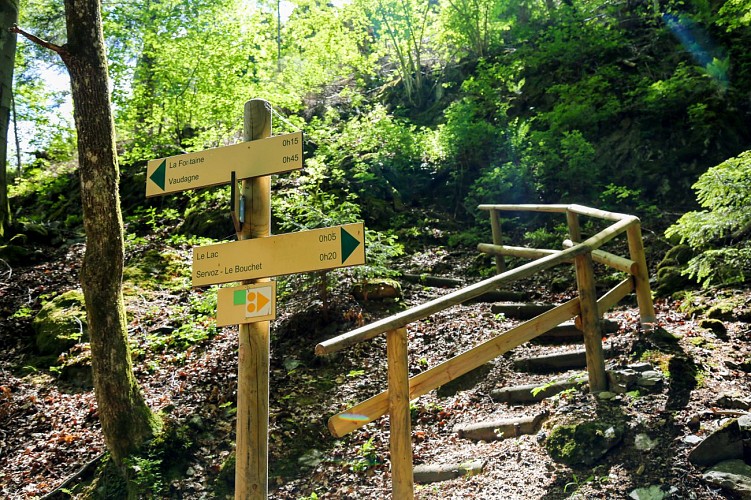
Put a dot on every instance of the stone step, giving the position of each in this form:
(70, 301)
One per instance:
(568, 332)
(520, 310)
(501, 429)
(432, 473)
(528, 393)
(561, 361)
(498, 296)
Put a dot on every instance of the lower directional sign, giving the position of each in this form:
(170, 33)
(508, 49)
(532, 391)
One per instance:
(301, 252)
(246, 304)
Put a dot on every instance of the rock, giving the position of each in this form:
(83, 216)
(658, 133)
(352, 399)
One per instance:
(622, 381)
(744, 423)
(520, 310)
(606, 395)
(640, 367)
(465, 382)
(557, 361)
(15, 254)
(500, 429)
(654, 492)
(734, 476)
(716, 326)
(377, 289)
(649, 378)
(643, 442)
(670, 280)
(726, 443)
(61, 323)
(732, 402)
(692, 439)
(584, 443)
(443, 472)
(310, 458)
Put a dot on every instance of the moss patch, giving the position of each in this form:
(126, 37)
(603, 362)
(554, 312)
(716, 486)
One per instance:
(61, 323)
(583, 443)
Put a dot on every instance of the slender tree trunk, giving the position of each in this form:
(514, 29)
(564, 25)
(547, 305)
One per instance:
(8, 18)
(126, 419)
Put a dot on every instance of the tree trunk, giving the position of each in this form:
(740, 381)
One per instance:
(8, 18)
(126, 419)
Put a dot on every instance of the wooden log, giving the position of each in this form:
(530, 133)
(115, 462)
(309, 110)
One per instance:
(641, 278)
(400, 438)
(424, 310)
(361, 414)
(523, 252)
(495, 226)
(495, 430)
(611, 260)
(590, 319)
(525, 208)
(435, 281)
(520, 311)
(597, 213)
(251, 465)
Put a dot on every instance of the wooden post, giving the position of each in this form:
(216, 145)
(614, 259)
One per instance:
(641, 278)
(590, 320)
(495, 225)
(574, 230)
(251, 469)
(400, 441)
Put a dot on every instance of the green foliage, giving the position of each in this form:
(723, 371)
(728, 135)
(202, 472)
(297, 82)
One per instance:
(720, 232)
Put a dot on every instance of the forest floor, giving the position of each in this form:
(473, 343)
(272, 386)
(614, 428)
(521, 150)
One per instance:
(49, 428)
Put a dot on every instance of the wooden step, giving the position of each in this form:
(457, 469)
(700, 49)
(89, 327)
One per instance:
(501, 429)
(498, 296)
(434, 281)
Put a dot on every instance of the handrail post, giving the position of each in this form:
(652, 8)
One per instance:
(495, 225)
(641, 278)
(589, 315)
(400, 440)
(574, 230)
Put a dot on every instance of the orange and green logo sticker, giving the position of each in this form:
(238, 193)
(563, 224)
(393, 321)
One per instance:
(246, 304)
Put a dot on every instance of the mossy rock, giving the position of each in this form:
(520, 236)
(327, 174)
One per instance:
(224, 485)
(15, 254)
(61, 323)
(377, 289)
(728, 309)
(209, 223)
(714, 325)
(680, 254)
(671, 280)
(156, 268)
(583, 443)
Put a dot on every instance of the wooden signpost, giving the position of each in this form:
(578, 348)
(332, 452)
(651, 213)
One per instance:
(252, 259)
(302, 252)
(214, 167)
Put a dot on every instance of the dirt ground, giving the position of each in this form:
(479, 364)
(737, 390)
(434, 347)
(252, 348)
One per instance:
(49, 429)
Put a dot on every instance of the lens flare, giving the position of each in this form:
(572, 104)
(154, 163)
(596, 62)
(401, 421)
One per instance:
(698, 43)
(353, 417)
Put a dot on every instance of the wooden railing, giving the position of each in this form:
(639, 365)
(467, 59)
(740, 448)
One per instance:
(587, 308)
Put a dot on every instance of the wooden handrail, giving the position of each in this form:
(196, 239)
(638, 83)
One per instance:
(419, 312)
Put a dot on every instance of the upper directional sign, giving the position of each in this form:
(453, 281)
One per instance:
(301, 252)
(212, 167)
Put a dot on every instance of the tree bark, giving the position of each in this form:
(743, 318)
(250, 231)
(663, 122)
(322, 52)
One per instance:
(126, 419)
(8, 18)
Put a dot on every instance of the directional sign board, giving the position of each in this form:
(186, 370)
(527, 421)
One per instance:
(246, 304)
(213, 167)
(300, 252)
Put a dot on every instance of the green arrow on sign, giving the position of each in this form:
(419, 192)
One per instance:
(159, 175)
(349, 244)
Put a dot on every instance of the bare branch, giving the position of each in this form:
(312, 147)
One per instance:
(42, 43)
